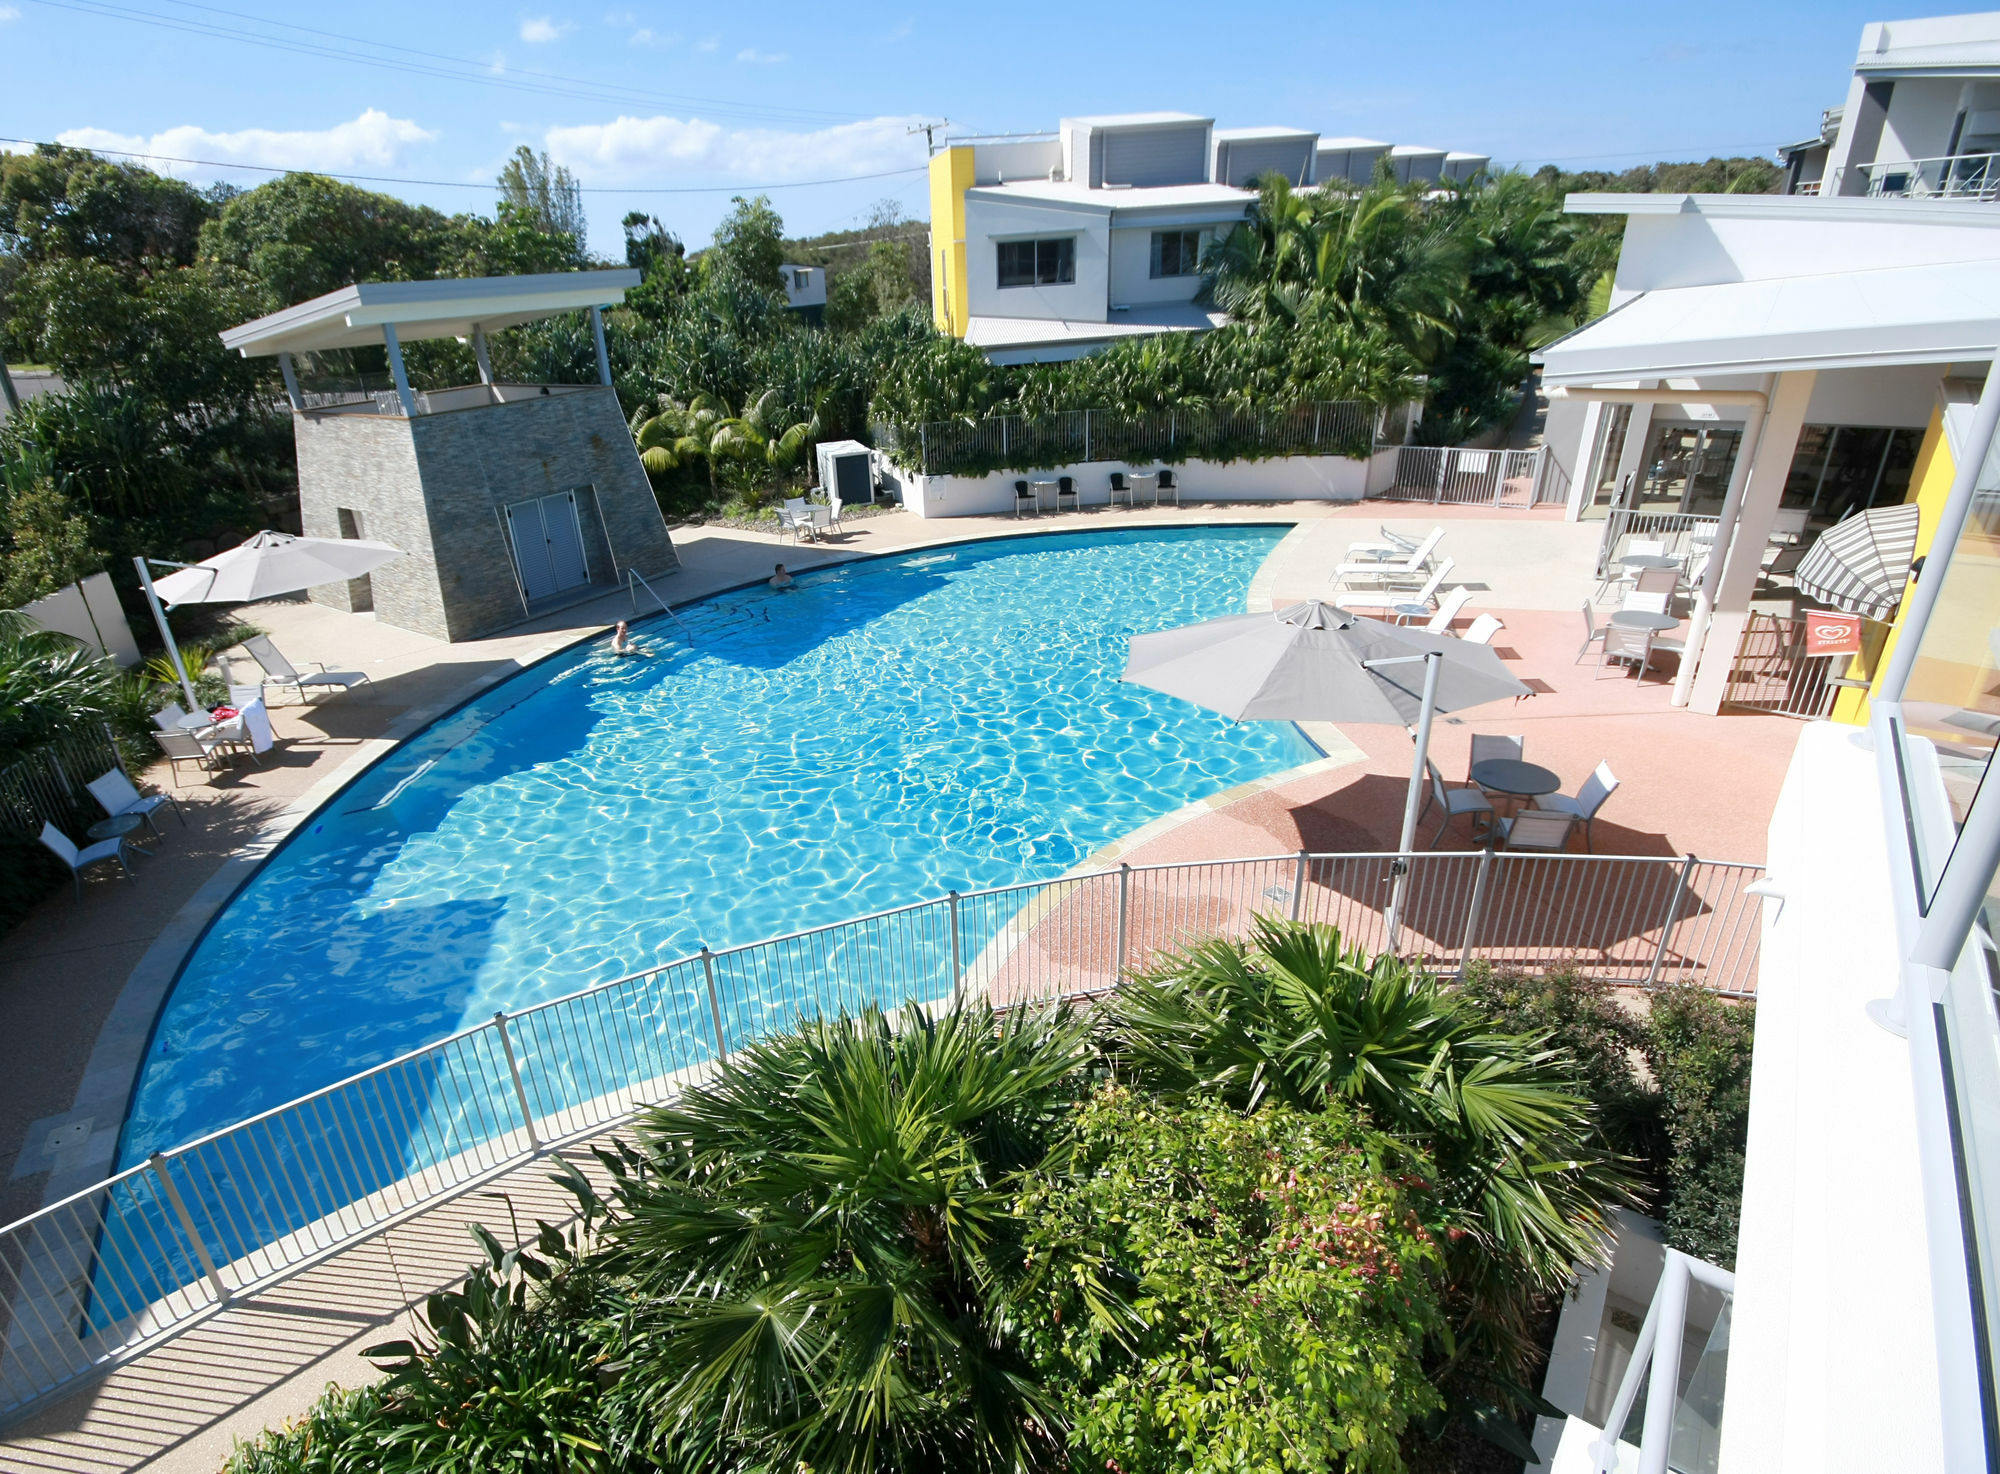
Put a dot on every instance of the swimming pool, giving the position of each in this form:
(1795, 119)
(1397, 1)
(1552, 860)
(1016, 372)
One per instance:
(880, 733)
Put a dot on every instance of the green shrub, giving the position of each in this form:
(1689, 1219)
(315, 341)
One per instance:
(1282, 1288)
(1698, 1047)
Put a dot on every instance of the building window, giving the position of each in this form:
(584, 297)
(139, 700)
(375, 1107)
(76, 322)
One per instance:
(1176, 252)
(1038, 263)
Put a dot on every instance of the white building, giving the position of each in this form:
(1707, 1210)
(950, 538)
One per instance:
(805, 290)
(1051, 246)
(1749, 337)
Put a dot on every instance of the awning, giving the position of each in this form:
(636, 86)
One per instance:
(1862, 563)
(445, 308)
(1942, 313)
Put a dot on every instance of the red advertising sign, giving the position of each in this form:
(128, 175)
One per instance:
(1829, 633)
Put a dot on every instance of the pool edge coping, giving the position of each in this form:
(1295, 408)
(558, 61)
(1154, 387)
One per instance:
(111, 1073)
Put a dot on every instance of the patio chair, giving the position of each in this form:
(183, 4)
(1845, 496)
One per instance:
(1164, 484)
(1024, 496)
(1599, 786)
(1788, 524)
(1648, 602)
(1393, 547)
(115, 793)
(186, 747)
(173, 717)
(795, 519)
(58, 844)
(1617, 576)
(1537, 829)
(1447, 610)
(1489, 745)
(1358, 602)
(280, 672)
(1409, 569)
(1656, 581)
(1454, 801)
(1623, 644)
(1119, 487)
(1483, 630)
(1066, 489)
(1592, 633)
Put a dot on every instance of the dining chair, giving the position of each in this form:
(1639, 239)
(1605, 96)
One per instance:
(1646, 603)
(1164, 483)
(1024, 496)
(1537, 829)
(1487, 745)
(1626, 644)
(1599, 786)
(1066, 489)
(1119, 487)
(1656, 581)
(185, 747)
(1454, 802)
(1592, 633)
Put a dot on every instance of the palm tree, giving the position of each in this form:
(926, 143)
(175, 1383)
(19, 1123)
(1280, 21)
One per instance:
(1296, 1016)
(823, 1252)
(703, 429)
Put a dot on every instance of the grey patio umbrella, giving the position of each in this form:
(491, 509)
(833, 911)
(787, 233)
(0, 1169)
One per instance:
(1862, 563)
(1315, 663)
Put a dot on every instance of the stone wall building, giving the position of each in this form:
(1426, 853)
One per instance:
(506, 500)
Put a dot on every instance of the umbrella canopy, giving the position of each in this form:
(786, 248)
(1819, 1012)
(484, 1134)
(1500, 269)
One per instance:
(1305, 664)
(273, 563)
(1862, 563)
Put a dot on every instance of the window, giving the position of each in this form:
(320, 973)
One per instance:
(1038, 263)
(1176, 252)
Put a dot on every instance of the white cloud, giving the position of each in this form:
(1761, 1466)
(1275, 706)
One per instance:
(647, 36)
(760, 58)
(374, 138)
(634, 150)
(539, 30)
(8, 12)
(709, 45)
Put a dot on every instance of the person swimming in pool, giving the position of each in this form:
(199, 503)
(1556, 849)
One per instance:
(782, 579)
(622, 642)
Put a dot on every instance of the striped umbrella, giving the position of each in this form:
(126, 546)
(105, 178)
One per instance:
(1862, 563)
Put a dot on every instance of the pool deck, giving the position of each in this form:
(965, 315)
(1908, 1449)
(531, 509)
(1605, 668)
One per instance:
(81, 983)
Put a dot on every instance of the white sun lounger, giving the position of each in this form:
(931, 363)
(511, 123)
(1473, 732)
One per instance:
(280, 672)
(1407, 570)
(1391, 599)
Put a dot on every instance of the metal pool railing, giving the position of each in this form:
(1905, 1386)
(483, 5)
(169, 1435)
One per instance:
(98, 1278)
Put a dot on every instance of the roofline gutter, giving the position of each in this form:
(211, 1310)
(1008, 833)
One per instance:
(1750, 398)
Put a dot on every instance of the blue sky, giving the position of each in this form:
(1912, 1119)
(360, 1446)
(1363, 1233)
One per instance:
(638, 98)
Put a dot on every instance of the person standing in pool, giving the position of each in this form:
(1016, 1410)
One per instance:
(622, 642)
(781, 579)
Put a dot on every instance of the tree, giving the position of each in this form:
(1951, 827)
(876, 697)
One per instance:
(880, 285)
(704, 430)
(304, 235)
(60, 202)
(749, 245)
(546, 194)
(45, 535)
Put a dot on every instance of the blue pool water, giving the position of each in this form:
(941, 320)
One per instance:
(877, 735)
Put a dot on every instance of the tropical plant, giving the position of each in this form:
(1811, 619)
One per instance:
(1282, 1287)
(1294, 1015)
(1698, 1047)
(823, 1257)
(704, 430)
(51, 686)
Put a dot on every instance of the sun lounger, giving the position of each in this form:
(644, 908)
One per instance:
(280, 672)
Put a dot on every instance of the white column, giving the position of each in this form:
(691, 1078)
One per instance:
(395, 347)
(597, 336)
(1589, 452)
(291, 383)
(1632, 458)
(479, 352)
(1741, 547)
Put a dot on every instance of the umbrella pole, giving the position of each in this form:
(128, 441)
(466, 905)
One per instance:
(1413, 800)
(173, 650)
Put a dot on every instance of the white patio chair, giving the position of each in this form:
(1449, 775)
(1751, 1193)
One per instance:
(280, 672)
(1487, 745)
(1618, 576)
(1599, 786)
(1358, 602)
(795, 520)
(59, 845)
(115, 793)
(1454, 801)
(174, 718)
(1483, 630)
(1447, 610)
(1537, 829)
(1647, 602)
(1393, 547)
(1389, 572)
(1592, 633)
(186, 747)
(1623, 644)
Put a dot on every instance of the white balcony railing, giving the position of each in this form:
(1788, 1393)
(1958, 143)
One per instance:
(1965, 177)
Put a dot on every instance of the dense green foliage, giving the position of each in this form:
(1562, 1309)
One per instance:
(1735, 175)
(1282, 1287)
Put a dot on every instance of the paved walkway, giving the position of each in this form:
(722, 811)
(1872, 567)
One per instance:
(79, 985)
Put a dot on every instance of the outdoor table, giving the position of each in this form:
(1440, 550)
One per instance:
(1643, 619)
(1038, 487)
(1517, 779)
(1150, 480)
(1640, 562)
(196, 721)
(1407, 612)
(117, 827)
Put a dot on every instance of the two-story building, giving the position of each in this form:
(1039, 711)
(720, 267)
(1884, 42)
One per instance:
(1051, 246)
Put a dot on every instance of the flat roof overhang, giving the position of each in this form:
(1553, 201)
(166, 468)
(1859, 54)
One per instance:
(1944, 313)
(353, 317)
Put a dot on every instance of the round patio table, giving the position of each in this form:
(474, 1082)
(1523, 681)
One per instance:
(1511, 776)
(1645, 561)
(1643, 619)
(117, 827)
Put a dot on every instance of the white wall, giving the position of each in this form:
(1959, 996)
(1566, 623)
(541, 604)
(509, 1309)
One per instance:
(1285, 479)
(1876, 396)
(1132, 280)
(85, 613)
(1699, 249)
(989, 221)
(1921, 112)
(1028, 158)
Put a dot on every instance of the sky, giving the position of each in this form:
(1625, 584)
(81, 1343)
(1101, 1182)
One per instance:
(671, 109)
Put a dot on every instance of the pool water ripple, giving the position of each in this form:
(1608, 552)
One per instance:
(880, 733)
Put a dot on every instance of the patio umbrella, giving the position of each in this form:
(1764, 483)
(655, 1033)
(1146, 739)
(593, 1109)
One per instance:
(1862, 563)
(1315, 663)
(269, 563)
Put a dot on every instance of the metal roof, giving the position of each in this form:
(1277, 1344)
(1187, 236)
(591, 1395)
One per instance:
(446, 308)
(1947, 312)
